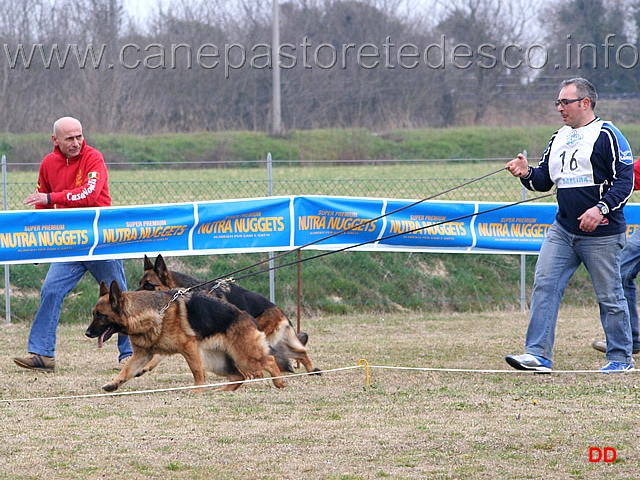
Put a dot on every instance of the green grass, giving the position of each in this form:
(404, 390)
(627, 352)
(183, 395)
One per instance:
(344, 283)
(244, 148)
(283, 172)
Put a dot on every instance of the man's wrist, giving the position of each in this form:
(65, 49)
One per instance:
(603, 208)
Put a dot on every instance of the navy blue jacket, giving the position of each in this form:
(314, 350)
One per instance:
(588, 165)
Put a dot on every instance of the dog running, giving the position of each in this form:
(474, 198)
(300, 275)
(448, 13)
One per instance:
(271, 319)
(210, 334)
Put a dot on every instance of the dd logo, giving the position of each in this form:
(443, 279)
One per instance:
(606, 454)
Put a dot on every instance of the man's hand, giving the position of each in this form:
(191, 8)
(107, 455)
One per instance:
(37, 198)
(590, 219)
(518, 167)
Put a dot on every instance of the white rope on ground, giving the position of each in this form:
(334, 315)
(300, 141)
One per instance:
(468, 370)
(174, 389)
(361, 364)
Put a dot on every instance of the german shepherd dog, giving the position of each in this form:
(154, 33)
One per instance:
(210, 334)
(271, 319)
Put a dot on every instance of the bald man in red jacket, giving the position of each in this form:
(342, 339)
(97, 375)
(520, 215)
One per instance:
(74, 175)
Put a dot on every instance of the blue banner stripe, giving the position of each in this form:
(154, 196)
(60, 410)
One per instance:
(277, 224)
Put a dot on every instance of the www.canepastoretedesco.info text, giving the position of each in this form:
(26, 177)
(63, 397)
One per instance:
(308, 55)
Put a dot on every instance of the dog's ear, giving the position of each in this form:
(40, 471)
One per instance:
(103, 288)
(115, 294)
(160, 268)
(147, 264)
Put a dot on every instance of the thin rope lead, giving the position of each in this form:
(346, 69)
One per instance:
(360, 225)
(462, 217)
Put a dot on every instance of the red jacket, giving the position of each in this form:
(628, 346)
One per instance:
(76, 182)
(636, 174)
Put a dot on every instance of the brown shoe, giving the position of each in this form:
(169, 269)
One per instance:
(121, 363)
(36, 362)
(601, 346)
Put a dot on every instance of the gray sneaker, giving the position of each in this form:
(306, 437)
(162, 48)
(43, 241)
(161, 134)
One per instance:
(529, 362)
(36, 362)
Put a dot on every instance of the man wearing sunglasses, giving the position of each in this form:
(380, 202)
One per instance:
(590, 163)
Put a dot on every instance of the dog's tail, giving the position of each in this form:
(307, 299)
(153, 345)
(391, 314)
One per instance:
(294, 346)
(303, 337)
(281, 359)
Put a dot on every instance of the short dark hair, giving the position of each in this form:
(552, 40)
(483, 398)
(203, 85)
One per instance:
(584, 89)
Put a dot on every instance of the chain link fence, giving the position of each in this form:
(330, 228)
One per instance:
(141, 193)
(341, 283)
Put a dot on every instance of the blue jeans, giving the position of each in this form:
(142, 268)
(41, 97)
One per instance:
(629, 269)
(560, 256)
(60, 280)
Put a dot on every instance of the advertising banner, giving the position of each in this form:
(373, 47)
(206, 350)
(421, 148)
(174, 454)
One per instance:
(40, 235)
(130, 230)
(334, 222)
(444, 225)
(256, 225)
(277, 224)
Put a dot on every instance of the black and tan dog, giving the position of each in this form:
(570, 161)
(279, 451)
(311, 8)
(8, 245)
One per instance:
(272, 320)
(209, 333)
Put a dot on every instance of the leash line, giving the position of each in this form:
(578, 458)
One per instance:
(462, 217)
(297, 249)
(219, 280)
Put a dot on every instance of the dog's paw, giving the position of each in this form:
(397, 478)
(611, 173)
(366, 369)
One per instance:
(110, 387)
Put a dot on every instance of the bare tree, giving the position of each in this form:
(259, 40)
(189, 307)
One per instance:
(582, 30)
(198, 65)
(476, 34)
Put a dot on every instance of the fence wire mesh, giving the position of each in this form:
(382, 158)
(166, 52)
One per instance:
(167, 191)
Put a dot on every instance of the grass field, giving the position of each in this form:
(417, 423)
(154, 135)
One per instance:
(417, 419)
(245, 147)
(312, 171)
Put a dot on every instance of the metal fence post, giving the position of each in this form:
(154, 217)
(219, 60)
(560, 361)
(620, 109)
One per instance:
(7, 279)
(272, 283)
(523, 264)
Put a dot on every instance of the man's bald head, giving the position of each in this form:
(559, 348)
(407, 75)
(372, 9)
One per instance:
(65, 123)
(67, 136)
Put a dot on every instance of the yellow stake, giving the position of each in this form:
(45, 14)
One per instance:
(363, 363)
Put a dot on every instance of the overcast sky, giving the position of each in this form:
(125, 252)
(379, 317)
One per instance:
(139, 8)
